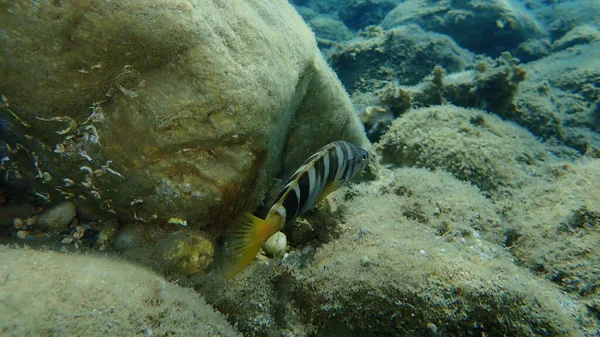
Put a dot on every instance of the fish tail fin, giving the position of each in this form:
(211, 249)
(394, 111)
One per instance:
(243, 242)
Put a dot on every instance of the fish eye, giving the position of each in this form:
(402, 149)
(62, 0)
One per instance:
(364, 157)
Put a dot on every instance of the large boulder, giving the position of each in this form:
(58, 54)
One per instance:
(181, 108)
(563, 16)
(50, 294)
(403, 54)
(416, 257)
(492, 86)
(361, 13)
(482, 26)
(474, 146)
(329, 29)
(554, 228)
(562, 88)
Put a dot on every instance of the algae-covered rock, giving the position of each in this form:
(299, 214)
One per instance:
(562, 16)
(404, 54)
(533, 49)
(559, 98)
(45, 293)
(459, 211)
(482, 26)
(553, 97)
(177, 108)
(361, 13)
(492, 86)
(471, 144)
(329, 29)
(555, 227)
(58, 217)
(185, 252)
(578, 35)
(393, 273)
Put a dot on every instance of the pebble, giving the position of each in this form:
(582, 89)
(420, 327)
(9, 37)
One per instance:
(18, 223)
(22, 234)
(275, 245)
(186, 252)
(432, 327)
(57, 217)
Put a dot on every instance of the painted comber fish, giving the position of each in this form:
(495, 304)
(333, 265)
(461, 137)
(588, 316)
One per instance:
(324, 172)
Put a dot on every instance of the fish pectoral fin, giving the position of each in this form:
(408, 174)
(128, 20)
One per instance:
(244, 241)
(332, 186)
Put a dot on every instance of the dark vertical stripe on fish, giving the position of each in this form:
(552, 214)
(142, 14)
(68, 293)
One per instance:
(333, 164)
(347, 166)
(291, 204)
(320, 173)
(304, 190)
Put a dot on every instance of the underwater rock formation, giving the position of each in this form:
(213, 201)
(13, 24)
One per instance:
(553, 97)
(329, 29)
(491, 86)
(533, 49)
(404, 54)
(58, 217)
(46, 293)
(185, 252)
(417, 262)
(481, 26)
(177, 109)
(554, 229)
(560, 97)
(576, 36)
(472, 145)
(563, 16)
(358, 14)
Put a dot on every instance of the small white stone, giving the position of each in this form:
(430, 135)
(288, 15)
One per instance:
(432, 327)
(275, 245)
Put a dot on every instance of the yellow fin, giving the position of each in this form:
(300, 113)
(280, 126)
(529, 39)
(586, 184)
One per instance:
(244, 241)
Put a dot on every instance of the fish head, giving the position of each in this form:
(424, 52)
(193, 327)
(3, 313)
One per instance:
(360, 159)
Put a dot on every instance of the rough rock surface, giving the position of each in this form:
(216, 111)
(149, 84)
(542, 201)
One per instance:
(181, 108)
(329, 29)
(50, 294)
(419, 261)
(564, 15)
(472, 145)
(555, 228)
(491, 86)
(472, 24)
(404, 54)
(555, 97)
(533, 49)
(58, 217)
(576, 36)
(560, 97)
(358, 14)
